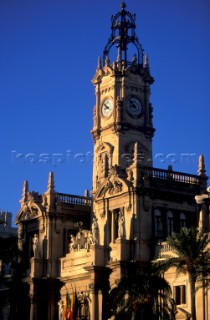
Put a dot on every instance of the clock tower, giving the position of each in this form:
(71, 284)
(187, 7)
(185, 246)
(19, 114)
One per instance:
(83, 246)
(122, 133)
(123, 112)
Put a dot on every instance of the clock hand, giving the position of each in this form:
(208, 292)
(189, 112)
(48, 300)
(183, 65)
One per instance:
(133, 106)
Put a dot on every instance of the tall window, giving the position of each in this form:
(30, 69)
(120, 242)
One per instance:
(179, 293)
(182, 220)
(114, 224)
(170, 223)
(158, 223)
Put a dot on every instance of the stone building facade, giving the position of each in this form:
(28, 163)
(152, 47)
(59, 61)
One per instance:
(73, 249)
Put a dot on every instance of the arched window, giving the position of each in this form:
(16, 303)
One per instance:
(170, 223)
(158, 223)
(182, 220)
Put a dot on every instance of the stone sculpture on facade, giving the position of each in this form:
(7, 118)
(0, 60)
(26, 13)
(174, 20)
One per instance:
(121, 228)
(95, 231)
(72, 244)
(84, 239)
(35, 246)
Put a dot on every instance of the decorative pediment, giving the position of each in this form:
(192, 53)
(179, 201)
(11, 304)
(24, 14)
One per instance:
(113, 185)
(105, 146)
(28, 211)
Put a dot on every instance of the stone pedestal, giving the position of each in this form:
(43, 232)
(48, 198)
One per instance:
(36, 268)
(120, 250)
(97, 255)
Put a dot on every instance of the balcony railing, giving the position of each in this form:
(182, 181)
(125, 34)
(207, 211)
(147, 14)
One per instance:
(165, 247)
(75, 200)
(173, 176)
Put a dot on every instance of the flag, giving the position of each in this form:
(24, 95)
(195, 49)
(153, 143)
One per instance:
(74, 304)
(68, 314)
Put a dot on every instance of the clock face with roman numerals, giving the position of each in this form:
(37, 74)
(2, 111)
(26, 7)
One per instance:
(134, 107)
(107, 107)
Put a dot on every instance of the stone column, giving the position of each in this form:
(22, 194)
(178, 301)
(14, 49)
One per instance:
(33, 300)
(113, 228)
(203, 202)
(94, 307)
(33, 308)
(53, 300)
(100, 300)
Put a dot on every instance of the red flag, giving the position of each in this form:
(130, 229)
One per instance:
(68, 315)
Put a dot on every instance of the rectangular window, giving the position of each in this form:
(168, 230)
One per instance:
(158, 226)
(170, 226)
(182, 220)
(180, 294)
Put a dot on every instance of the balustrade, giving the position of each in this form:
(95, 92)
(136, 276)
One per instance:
(73, 199)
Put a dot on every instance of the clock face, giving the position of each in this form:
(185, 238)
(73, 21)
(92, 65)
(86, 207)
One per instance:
(134, 107)
(107, 107)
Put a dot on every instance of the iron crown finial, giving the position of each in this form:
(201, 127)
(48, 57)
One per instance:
(123, 34)
(123, 5)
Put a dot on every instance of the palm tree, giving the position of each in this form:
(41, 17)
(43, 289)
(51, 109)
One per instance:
(192, 257)
(143, 296)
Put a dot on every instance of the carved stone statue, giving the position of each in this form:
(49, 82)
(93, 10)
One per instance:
(121, 222)
(89, 239)
(72, 244)
(95, 231)
(36, 246)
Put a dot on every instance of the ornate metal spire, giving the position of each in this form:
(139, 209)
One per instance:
(123, 33)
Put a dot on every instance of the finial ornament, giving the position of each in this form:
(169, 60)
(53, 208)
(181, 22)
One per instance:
(123, 5)
(107, 61)
(51, 186)
(25, 191)
(201, 166)
(146, 60)
(86, 194)
(25, 188)
(99, 63)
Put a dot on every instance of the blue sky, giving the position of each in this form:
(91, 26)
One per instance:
(48, 56)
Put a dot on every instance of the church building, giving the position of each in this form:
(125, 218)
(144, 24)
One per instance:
(73, 250)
